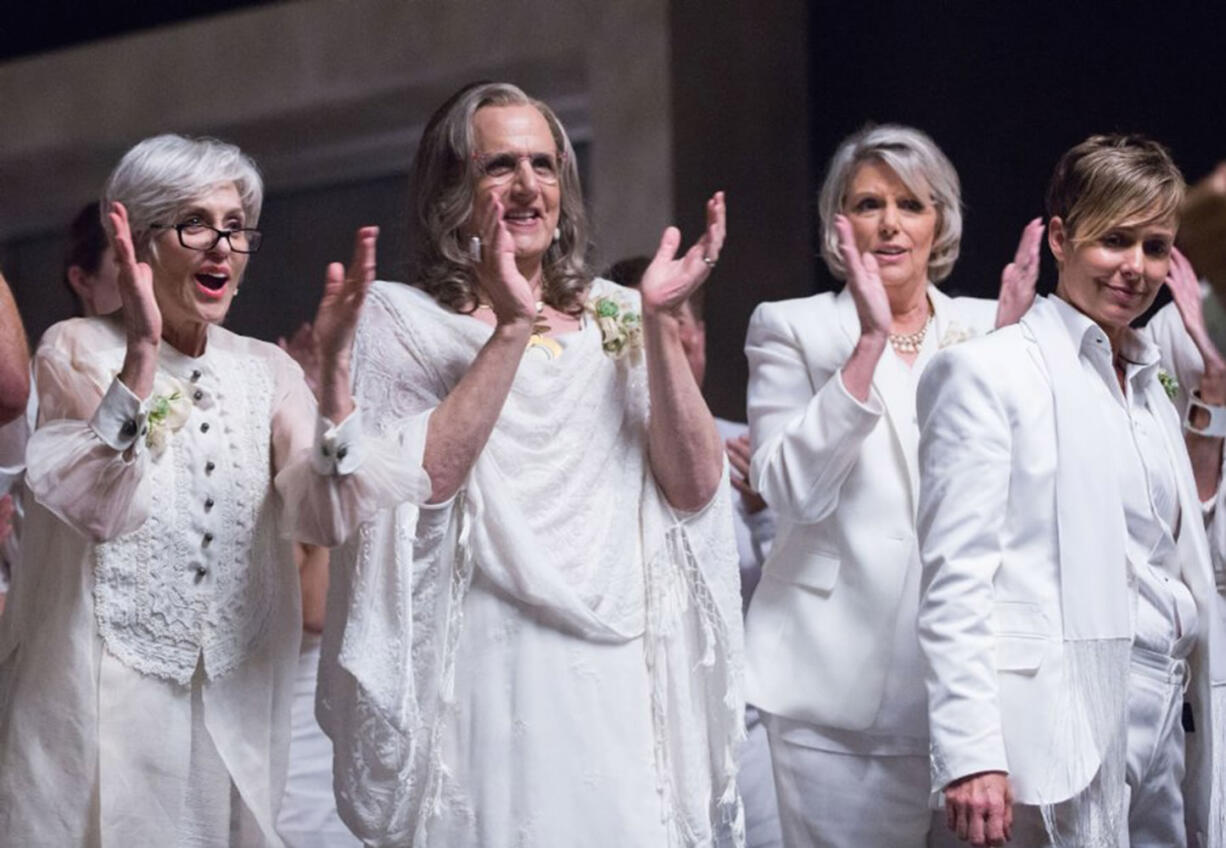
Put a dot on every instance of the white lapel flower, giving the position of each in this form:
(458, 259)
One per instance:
(956, 333)
(169, 410)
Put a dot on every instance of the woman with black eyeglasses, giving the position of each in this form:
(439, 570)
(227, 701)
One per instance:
(148, 654)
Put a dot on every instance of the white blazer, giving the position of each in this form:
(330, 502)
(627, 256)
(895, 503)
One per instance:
(842, 478)
(990, 618)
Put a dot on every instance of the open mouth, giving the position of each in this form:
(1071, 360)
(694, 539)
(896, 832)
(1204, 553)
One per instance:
(521, 217)
(212, 285)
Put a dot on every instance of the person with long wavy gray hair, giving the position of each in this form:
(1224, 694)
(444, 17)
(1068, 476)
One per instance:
(147, 654)
(548, 651)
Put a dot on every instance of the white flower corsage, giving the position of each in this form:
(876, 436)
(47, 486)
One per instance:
(169, 410)
(1169, 384)
(621, 328)
(956, 333)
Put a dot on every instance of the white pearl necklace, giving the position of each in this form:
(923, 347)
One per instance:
(911, 342)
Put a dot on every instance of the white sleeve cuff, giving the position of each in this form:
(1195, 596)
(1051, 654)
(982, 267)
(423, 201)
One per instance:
(338, 447)
(119, 420)
(872, 406)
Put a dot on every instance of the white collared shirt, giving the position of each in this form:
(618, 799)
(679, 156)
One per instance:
(1166, 618)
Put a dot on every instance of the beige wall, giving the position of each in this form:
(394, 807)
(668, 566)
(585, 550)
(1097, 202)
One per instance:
(326, 93)
(672, 99)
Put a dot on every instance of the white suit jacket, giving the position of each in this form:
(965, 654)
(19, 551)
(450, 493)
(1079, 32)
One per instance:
(990, 620)
(842, 478)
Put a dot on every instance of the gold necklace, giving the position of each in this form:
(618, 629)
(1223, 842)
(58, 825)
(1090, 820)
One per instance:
(539, 339)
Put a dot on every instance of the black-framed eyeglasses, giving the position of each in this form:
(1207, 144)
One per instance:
(195, 235)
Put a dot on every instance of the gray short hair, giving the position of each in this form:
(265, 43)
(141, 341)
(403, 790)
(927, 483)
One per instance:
(921, 166)
(442, 196)
(163, 174)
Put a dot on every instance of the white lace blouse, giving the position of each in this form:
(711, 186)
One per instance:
(157, 554)
(554, 656)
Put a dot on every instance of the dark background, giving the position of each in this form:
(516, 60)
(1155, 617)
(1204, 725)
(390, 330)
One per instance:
(1004, 88)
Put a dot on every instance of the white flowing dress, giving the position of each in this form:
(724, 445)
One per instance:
(552, 658)
(147, 655)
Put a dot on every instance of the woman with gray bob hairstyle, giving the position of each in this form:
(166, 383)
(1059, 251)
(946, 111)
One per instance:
(920, 165)
(147, 662)
(566, 670)
(832, 657)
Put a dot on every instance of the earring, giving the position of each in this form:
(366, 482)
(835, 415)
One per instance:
(557, 233)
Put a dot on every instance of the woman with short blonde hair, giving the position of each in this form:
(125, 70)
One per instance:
(1069, 603)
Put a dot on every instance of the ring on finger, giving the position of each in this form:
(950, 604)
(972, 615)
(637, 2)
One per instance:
(710, 262)
(474, 248)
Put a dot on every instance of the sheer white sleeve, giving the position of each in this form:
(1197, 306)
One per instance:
(86, 461)
(332, 480)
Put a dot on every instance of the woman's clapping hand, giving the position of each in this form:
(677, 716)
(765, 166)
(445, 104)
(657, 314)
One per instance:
(864, 282)
(509, 293)
(1185, 290)
(1019, 278)
(141, 315)
(669, 281)
(344, 293)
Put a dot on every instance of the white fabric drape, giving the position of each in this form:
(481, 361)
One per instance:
(552, 658)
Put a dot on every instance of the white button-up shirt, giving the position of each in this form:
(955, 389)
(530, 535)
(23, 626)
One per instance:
(1165, 618)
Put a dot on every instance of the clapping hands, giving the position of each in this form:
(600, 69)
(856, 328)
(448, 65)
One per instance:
(1020, 277)
(668, 281)
(142, 317)
(864, 282)
(344, 293)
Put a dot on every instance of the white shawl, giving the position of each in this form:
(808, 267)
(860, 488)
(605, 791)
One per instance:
(562, 516)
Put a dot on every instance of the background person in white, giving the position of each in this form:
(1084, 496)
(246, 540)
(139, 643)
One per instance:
(14, 393)
(830, 636)
(1068, 589)
(14, 358)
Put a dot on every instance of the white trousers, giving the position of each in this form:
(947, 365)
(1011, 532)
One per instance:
(1156, 760)
(308, 817)
(1155, 766)
(756, 782)
(829, 799)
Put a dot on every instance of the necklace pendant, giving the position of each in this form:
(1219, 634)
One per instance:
(546, 344)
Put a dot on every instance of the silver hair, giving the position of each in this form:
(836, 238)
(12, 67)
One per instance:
(443, 196)
(164, 174)
(923, 169)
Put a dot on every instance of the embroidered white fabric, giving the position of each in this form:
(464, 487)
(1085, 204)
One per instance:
(149, 556)
(554, 656)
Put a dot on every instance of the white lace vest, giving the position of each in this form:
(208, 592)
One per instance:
(197, 577)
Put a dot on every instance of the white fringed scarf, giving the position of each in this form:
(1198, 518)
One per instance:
(1090, 742)
(631, 569)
